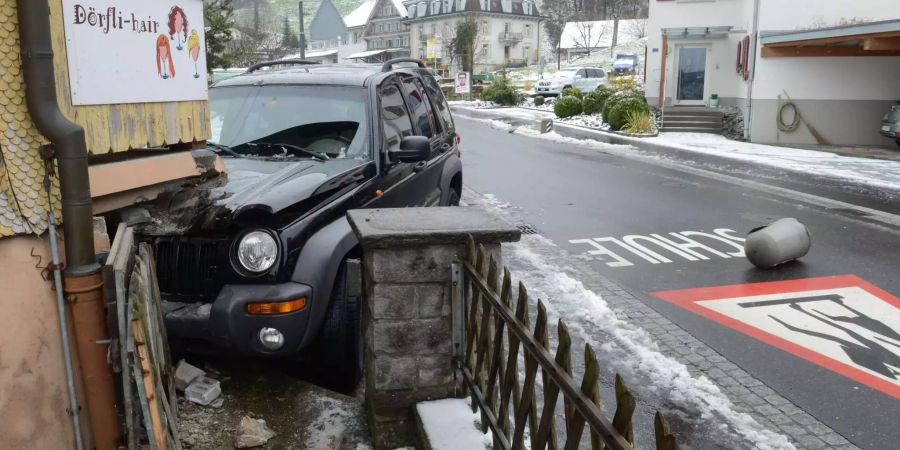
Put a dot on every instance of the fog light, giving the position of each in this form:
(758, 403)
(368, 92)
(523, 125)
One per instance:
(271, 338)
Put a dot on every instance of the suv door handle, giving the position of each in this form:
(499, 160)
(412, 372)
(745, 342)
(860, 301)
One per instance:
(420, 166)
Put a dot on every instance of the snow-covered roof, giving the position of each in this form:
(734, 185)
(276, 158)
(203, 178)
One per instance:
(599, 33)
(400, 7)
(314, 54)
(359, 16)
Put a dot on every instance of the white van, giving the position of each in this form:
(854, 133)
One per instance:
(585, 79)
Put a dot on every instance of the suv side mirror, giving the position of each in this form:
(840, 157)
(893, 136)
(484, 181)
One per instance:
(413, 149)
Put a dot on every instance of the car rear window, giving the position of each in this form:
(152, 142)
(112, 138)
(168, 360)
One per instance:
(434, 92)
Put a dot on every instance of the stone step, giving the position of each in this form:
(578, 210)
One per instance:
(692, 129)
(689, 121)
(713, 115)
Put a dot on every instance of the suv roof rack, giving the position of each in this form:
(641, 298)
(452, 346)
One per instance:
(281, 62)
(389, 65)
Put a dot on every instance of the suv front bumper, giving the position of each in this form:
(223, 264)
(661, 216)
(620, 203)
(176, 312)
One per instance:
(225, 324)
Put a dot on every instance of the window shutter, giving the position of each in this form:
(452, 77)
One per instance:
(745, 60)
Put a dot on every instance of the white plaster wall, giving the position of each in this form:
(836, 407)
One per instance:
(829, 78)
(801, 14)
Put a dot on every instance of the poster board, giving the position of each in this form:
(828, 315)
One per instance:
(463, 83)
(135, 51)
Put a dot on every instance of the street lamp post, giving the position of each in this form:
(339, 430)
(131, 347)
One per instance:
(302, 35)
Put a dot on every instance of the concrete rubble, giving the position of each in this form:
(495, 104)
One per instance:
(185, 374)
(252, 433)
(203, 391)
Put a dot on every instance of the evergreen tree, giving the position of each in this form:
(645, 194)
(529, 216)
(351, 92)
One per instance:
(219, 18)
(289, 40)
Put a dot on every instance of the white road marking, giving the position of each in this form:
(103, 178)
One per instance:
(685, 245)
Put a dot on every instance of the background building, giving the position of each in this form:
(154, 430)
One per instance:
(508, 34)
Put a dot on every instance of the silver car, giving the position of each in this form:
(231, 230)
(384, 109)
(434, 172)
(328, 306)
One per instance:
(890, 124)
(585, 79)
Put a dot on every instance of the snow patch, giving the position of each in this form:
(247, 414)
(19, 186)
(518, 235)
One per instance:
(450, 424)
(336, 420)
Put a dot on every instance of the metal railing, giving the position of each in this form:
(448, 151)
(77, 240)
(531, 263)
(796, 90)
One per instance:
(489, 337)
(506, 36)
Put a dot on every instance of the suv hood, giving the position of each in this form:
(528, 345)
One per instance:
(251, 185)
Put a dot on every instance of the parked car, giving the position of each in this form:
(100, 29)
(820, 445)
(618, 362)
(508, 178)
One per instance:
(585, 79)
(890, 123)
(263, 263)
(626, 63)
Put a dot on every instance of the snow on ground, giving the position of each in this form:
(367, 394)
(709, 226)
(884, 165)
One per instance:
(630, 350)
(473, 103)
(450, 424)
(871, 172)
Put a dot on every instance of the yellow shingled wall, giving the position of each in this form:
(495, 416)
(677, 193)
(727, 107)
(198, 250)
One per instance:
(108, 128)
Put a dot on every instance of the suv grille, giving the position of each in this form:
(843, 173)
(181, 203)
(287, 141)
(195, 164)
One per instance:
(192, 269)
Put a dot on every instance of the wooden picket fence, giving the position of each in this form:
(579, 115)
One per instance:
(489, 336)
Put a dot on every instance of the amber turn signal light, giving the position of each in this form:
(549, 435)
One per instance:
(270, 308)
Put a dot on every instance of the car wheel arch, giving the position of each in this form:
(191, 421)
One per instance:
(318, 265)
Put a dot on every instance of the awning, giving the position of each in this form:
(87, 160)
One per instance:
(866, 39)
(696, 32)
(366, 54)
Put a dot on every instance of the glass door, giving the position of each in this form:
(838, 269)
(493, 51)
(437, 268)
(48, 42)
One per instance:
(691, 76)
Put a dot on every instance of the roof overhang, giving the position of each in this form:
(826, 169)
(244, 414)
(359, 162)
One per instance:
(366, 54)
(866, 39)
(696, 32)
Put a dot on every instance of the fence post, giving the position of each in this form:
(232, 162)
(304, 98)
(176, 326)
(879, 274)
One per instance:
(411, 320)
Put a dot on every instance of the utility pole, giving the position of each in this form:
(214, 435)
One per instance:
(302, 35)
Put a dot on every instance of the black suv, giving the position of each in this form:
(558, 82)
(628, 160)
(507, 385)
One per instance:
(263, 261)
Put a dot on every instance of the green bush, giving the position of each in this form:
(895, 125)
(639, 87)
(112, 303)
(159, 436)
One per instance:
(602, 94)
(538, 100)
(567, 106)
(617, 117)
(571, 92)
(593, 102)
(615, 98)
(503, 92)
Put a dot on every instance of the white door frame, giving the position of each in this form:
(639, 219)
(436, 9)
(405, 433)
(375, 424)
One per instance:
(706, 74)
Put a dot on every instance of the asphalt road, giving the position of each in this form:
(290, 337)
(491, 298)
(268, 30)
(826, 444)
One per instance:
(572, 193)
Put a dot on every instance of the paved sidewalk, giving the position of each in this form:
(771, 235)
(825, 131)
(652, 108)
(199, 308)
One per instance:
(674, 368)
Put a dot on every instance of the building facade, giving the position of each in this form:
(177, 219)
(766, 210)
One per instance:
(508, 34)
(836, 60)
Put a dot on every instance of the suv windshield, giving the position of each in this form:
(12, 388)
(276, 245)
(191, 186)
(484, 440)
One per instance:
(290, 121)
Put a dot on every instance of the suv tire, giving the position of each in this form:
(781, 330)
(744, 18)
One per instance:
(339, 347)
(453, 199)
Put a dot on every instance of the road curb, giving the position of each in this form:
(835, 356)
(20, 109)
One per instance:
(577, 132)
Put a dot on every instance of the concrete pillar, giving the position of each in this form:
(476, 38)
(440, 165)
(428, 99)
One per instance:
(407, 323)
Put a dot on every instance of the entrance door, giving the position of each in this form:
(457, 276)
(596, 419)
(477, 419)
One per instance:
(691, 76)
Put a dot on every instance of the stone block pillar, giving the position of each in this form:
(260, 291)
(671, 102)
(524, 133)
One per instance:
(407, 325)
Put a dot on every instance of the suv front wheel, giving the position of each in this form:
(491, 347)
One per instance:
(339, 347)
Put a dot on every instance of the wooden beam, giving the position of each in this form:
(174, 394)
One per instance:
(662, 73)
(788, 52)
(881, 44)
(836, 39)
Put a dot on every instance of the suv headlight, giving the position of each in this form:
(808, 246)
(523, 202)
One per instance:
(257, 251)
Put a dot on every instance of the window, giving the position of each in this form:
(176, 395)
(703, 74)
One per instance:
(485, 5)
(433, 29)
(419, 107)
(485, 50)
(581, 74)
(447, 5)
(395, 120)
(526, 52)
(421, 31)
(404, 42)
(460, 5)
(434, 92)
(527, 30)
(387, 10)
(601, 73)
(506, 27)
(421, 9)
(379, 27)
(526, 7)
(412, 10)
(485, 26)
(435, 7)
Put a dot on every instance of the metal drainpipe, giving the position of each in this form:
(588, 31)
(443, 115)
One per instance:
(83, 283)
(751, 59)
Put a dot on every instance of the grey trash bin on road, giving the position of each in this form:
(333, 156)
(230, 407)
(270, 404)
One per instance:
(782, 241)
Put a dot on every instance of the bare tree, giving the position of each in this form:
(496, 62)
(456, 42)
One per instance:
(637, 28)
(589, 35)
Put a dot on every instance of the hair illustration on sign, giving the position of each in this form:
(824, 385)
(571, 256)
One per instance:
(194, 50)
(163, 57)
(178, 26)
